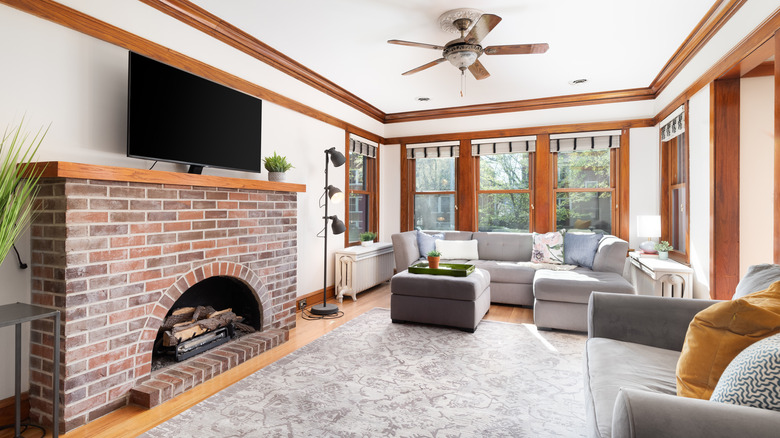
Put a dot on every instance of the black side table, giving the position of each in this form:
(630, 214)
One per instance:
(20, 313)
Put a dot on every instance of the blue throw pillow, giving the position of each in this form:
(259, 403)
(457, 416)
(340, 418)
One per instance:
(753, 377)
(426, 242)
(580, 248)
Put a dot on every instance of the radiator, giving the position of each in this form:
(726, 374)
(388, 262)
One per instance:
(362, 267)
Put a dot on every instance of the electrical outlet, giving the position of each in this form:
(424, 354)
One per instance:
(302, 304)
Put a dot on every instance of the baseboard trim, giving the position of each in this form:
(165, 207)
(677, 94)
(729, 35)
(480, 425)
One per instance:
(7, 409)
(314, 298)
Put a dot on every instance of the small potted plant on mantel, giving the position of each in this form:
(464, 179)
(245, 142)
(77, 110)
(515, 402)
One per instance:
(433, 259)
(276, 165)
(367, 238)
(663, 249)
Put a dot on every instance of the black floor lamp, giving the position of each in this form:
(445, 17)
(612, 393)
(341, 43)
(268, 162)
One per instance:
(336, 196)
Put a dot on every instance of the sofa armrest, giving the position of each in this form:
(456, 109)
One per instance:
(405, 249)
(648, 320)
(611, 255)
(644, 414)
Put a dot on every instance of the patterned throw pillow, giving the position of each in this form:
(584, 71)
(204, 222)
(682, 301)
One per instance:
(753, 377)
(548, 248)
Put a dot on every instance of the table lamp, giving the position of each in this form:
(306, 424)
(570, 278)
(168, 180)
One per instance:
(648, 226)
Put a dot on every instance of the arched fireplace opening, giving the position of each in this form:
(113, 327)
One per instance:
(208, 314)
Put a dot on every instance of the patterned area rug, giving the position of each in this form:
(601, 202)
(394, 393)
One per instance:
(373, 378)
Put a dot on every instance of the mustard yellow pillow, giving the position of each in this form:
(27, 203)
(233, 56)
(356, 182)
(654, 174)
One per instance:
(719, 333)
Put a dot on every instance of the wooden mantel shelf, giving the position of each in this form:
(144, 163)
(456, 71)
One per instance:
(63, 169)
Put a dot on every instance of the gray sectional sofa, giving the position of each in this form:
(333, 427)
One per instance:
(634, 343)
(559, 298)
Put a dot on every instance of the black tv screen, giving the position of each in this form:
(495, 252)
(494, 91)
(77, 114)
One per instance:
(176, 116)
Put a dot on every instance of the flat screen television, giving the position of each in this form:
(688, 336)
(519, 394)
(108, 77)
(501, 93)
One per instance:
(176, 116)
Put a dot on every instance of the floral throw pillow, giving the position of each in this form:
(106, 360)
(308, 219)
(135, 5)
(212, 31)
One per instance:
(548, 248)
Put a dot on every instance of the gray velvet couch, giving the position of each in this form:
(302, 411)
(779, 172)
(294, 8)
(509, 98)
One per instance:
(559, 298)
(631, 356)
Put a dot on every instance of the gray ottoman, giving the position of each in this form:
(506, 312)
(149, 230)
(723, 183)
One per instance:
(439, 299)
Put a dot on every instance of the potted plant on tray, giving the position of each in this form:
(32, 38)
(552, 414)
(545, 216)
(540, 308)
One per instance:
(663, 249)
(433, 259)
(276, 165)
(367, 238)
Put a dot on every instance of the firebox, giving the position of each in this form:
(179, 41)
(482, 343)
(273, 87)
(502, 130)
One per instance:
(207, 315)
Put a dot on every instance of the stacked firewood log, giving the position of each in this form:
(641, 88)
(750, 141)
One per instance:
(187, 322)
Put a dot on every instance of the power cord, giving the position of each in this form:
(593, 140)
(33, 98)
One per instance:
(22, 265)
(24, 428)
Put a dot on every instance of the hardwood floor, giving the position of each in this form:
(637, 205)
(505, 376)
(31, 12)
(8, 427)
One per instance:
(132, 421)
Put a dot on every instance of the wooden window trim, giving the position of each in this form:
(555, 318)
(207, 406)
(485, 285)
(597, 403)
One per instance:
(615, 188)
(372, 177)
(530, 191)
(666, 171)
(408, 175)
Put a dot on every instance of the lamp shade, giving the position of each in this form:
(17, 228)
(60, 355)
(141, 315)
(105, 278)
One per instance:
(335, 194)
(336, 157)
(337, 226)
(648, 226)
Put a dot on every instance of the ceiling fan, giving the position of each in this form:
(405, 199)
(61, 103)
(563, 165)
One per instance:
(464, 52)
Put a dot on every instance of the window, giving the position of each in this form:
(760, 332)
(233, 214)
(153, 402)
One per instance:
(434, 172)
(503, 184)
(361, 189)
(584, 190)
(674, 183)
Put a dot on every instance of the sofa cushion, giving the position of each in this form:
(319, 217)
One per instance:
(611, 365)
(505, 246)
(753, 377)
(427, 242)
(576, 286)
(580, 248)
(548, 248)
(506, 272)
(719, 333)
(758, 277)
(457, 249)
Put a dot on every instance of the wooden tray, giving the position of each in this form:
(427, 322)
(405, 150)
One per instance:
(451, 269)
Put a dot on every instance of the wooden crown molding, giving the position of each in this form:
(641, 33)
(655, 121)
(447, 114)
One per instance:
(524, 105)
(199, 18)
(716, 17)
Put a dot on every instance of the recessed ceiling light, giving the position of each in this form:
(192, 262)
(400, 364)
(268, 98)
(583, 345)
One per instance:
(578, 81)
(423, 99)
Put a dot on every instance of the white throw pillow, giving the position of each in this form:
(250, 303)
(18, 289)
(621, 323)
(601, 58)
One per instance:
(458, 249)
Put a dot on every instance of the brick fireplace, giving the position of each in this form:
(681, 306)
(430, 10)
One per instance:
(114, 248)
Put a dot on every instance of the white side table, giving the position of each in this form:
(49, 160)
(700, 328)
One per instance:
(665, 278)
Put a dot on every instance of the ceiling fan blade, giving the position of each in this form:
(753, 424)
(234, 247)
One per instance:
(413, 44)
(482, 27)
(424, 66)
(517, 49)
(478, 70)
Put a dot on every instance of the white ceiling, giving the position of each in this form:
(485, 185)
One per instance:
(615, 44)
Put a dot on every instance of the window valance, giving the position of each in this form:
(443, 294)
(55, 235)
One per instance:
(361, 146)
(674, 124)
(442, 149)
(505, 145)
(582, 141)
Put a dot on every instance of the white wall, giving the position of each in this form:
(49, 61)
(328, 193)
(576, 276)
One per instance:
(699, 157)
(644, 193)
(756, 169)
(389, 191)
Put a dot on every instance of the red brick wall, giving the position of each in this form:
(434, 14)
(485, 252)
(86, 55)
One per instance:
(114, 256)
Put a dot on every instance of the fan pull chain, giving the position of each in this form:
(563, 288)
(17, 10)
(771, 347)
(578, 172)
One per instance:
(463, 83)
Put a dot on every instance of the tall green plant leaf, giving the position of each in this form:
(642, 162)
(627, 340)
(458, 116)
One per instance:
(18, 183)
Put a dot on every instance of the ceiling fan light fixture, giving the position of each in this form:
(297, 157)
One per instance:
(462, 55)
